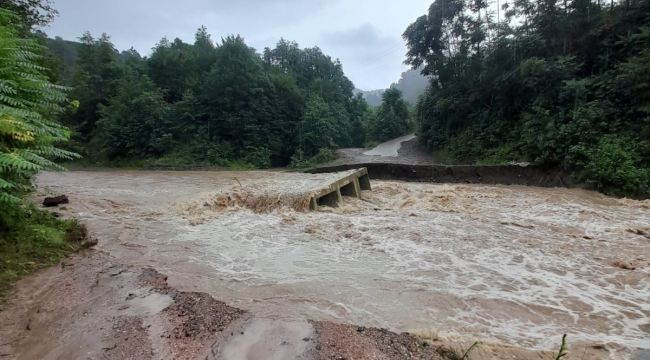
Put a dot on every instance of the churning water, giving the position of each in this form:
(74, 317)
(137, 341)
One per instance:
(519, 265)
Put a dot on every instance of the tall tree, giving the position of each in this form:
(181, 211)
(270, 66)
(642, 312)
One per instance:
(31, 13)
(98, 72)
(237, 96)
(29, 104)
(134, 124)
(551, 85)
(392, 119)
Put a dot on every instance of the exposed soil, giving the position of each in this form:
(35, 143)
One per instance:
(92, 307)
(337, 341)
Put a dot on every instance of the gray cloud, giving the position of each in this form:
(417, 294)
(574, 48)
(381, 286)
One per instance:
(364, 34)
(363, 43)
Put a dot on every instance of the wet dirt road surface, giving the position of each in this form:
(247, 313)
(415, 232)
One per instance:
(402, 150)
(506, 265)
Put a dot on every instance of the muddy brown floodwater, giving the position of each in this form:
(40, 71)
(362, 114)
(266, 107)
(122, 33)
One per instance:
(513, 265)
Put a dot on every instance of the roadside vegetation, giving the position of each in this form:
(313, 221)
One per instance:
(32, 239)
(561, 83)
(29, 136)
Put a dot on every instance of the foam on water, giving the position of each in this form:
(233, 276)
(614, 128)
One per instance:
(483, 260)
(520, 265)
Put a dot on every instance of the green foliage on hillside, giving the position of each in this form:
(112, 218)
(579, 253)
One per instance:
(563, 83)
(210, 104)
(30, 13)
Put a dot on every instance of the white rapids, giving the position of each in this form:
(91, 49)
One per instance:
(517, 265)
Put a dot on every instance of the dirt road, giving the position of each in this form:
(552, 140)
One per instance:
(403, 150)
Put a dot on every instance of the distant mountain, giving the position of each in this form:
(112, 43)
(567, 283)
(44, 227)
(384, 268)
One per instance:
(412, 84)
(373, 97)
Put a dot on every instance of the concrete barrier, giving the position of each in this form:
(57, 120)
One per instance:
(531, 175)
(349, 185)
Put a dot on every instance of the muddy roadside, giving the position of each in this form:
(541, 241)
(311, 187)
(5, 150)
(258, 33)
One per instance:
(91, 306)
(408, 152)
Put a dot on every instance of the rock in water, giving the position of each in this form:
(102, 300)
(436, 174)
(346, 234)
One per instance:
(55, 201)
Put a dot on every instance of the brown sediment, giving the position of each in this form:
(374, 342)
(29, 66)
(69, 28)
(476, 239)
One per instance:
(94, 308)
(337, 341)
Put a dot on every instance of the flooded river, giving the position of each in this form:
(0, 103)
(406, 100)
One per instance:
(517, 265)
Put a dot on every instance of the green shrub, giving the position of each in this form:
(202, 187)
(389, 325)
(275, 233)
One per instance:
(31, 239)
(613, 167)
(259, 157)
(323, 156)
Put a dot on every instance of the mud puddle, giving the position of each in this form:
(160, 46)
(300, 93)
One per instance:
(510, 265)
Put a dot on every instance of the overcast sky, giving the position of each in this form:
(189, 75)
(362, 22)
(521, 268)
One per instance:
(364, 34)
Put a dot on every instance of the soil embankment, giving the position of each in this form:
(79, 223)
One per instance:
(465, 174)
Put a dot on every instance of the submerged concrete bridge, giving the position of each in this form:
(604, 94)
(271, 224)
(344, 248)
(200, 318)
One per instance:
(350, 184)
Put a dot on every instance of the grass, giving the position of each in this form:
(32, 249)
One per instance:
(563, 352)
(323, 156)
(31, 239)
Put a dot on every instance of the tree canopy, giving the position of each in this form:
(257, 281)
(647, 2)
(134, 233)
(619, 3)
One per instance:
(30, 13)
(392, 119)
(562, 83)
(207, 103)
(29, 104)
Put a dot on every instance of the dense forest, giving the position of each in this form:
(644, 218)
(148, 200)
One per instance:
(561, 83)
(211, 104)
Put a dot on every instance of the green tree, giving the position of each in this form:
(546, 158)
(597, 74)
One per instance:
(134, 123)
(392, 119)
(318, 128)
(29, 104)
(549, 83)
(169, 66)
(207, 103)
(30, 12)
(98, 73)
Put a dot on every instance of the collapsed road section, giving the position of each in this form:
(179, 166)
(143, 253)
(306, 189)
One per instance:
(350, 184)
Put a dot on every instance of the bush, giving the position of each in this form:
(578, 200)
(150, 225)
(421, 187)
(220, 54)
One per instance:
(323, 156)
(613, 167)
(260, 157)
(31, 239)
